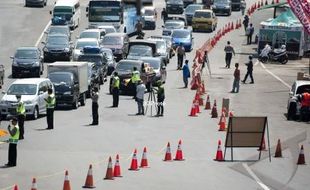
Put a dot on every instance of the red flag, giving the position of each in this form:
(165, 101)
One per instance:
(300, 13)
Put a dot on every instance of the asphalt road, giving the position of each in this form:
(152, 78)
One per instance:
(73, 145)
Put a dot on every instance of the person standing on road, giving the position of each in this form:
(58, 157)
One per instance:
(186, 73)
(229, 51)
(135, 77)
(13, 140)
(140, 97)
(242, 6)
(50, 107)
(115, 89)
(249, 33)
(181, 55)
(245, 22)
(21, 115)
(160, 99)
(95, 106)
(164, 15)
(305, 106)
(249, 70)
(236, 84)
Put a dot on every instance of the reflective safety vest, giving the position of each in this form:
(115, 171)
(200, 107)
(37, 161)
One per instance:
(116, 82)
(14, 139)
(51, 101)
(21, 108)
(305, 101)
(135, 76)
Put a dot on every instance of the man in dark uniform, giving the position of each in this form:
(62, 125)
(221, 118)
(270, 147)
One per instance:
(50, 106)
(115, 89)
(95, 106)
(249, 71)
(14, 133)
(181, 55)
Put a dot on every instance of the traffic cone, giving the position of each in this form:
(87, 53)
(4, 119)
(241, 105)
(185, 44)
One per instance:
(219, 152)
(262, 3)
(214, 111)
(258, 4)
(109, 174)
(277, 1)
(196, 103)
(89, 182)
(144, 162)
(134, 162)
(179, 153)
(168, 156)
(208, 104)
(117, 168)
(193, 111)
(67, 182)
(203, 91)
(232, 26)
(278, 153)
(15, 187)
(301, 157)
(254, 6)
(263, 146)
(266, 2)
(222, 123)
(34, 184)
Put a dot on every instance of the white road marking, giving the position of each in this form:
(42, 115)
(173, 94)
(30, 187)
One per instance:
(274, 75)
(42, 34)
(258, 181)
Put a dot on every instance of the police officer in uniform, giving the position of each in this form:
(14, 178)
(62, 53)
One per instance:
(21, 114)
(135, 77)
(14, 137)
(160, 99)
(50, 106)
(249, 71)
(115, 89)
(95, 106)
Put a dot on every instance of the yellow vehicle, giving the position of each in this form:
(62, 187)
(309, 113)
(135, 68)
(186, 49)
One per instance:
(204, 20)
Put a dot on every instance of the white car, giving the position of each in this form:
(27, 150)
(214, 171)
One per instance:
(149, 16)
(92, 33)
(80, 44)
(108, 28)
(33, 91)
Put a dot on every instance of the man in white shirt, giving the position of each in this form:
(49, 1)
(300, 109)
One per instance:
(140, 97)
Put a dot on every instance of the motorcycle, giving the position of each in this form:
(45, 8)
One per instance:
(279, 54)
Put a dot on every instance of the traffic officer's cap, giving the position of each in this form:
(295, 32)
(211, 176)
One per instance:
(18, 96)
(250, 57)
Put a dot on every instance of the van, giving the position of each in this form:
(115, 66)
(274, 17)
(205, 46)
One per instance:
(204, 19)
(68, 10)
(33, 91)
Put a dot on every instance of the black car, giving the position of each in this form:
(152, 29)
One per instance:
(27, 61)
(57, 48)
(190, 10)
(40, 3)
(59, 30)
(174, 6)
(222, 7)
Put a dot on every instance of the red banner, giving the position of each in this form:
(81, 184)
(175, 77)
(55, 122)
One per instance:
(300, 13)
(306, 7)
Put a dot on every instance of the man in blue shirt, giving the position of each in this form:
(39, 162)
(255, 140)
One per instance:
(186, 73)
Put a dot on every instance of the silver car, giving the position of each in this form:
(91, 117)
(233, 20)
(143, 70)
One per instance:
(80, 44)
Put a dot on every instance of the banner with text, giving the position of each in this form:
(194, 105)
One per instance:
(301, 13)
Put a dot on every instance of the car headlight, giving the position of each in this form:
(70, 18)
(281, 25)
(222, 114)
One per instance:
(36, 63)
(227, 6)
(66, 50)
(67, 93)
(28, 102)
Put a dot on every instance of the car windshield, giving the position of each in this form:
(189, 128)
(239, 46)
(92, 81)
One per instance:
(60, 78)
(59, 30)
(302, 89)
(26, 54)
(174, 24)
(127, 66)
(108, 54)
(192, 8)
(153, 63)
(88, 34)
(202, 14)
(141, 50)
(82, 44)
(148, 12)
(22, 89)
(180, 34)
(112, 40)
(57, 40)
(175, 2)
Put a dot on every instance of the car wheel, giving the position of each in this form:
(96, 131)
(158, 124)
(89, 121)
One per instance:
(83, 101)
(291, 112)
(75, 104)
(36, 113)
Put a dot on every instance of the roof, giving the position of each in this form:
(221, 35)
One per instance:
(285, 19)
(64, 63)
(91, 30)
(66, 2)
(30, 81)
(302, 82)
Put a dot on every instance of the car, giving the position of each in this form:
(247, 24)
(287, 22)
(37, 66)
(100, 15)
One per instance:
(33, 91)
(170, 25)
(149, 16)
(27, 61)
(118, 43)
(222, 7)
(40, 3)
(168, 40)
(294, 105)
(59, 29)
(188, 2)
(159, 68)
(93, 78)
(174, 6)
(110, 58)
(190, 10)
(162, 49)
(57, 48)
(182, 37)
(108, 28)
(80, 44)
(142, 48)
(92, 33)
(204, 20)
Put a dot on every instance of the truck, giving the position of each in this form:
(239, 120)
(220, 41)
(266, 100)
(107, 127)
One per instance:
(70, 80)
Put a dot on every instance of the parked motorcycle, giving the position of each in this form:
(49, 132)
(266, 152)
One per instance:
(279, 54)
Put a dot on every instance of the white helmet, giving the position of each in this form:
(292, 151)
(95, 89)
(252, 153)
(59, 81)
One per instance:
(283, 47)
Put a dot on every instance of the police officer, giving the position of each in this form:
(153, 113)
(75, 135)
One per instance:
(95, 106)
(249, 71)
(20, 111)
(115, 89)
(135, 77)
(14, 137)
(160, 99)
(50, 106)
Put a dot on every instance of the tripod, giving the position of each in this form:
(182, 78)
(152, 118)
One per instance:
(151, 101)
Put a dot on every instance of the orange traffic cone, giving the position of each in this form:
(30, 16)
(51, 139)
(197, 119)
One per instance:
(134, 162)
(231, 114)
(263, 146)
(179, 153)
(232, 26)
(254, 6)
(34, 184)
(278, 153)
(222, 123)
(195, 83)
(117, 167)
(301, 157)
(203, 91)
(193, 111)
(258, 4)
(266, 2)
(277, 1)
(15, 187)
(89, 182)
(168, 156)
(200, 101)
(144, 162)
(109, 174)
(262, 3)
(214, 111)
(196, 103)
(208, 104)
(219, 152)
(67, 182)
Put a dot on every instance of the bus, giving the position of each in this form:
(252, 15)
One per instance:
(68, 10)
(105, 12)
